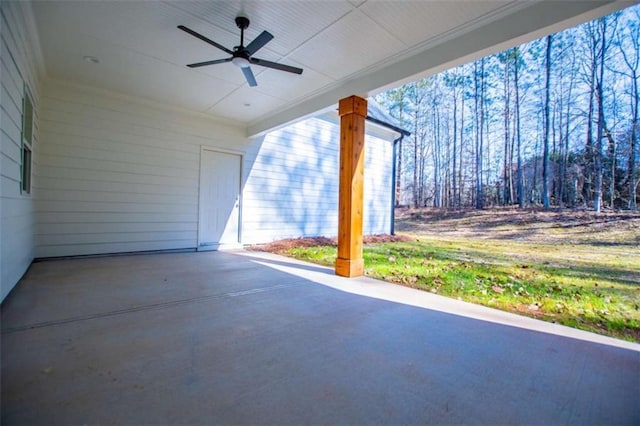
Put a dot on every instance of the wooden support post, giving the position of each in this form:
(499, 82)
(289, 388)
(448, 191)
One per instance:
(353, 111)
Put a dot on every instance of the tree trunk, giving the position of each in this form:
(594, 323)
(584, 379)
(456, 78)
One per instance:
(399, 174)
(455, 146)
(437, 195)
(534, 185)
(632, 158)
(479, 114)
(597, 199)
(545, 157)
(399, 152)
(590, 151)
(415, 159)
(518, 140)
(566, 133)
(462, 146)
(506, 123)
(612, 182)
(632, 154)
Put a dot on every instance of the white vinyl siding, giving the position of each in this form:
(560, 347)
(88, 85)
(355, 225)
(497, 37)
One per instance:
(292, 188)
(377, 185)
(16, 209)
(118, 175)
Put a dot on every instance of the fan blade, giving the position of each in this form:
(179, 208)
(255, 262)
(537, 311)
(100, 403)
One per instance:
(203, 38)
(259, 42)
(275, 65)
(248, 74)
(215, 61)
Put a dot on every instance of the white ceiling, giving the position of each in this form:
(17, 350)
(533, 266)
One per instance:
(344, 47)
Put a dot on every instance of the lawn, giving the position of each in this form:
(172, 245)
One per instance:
(572, 268)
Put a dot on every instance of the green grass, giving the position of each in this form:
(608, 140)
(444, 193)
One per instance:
(595, 288)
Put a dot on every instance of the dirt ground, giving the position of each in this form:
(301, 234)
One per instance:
(282, 246)
(533, 225)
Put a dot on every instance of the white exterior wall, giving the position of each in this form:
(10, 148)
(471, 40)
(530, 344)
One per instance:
(19, 66)
(378, 183)
(292, 189)
(117, 174)
(120, 175)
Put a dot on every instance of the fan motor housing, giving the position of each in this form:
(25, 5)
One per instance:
(242, 22)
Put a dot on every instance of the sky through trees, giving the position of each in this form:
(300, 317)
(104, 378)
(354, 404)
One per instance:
(553, 123)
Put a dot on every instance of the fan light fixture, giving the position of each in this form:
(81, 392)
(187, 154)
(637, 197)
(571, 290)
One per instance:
(240, 62)
(242, 56)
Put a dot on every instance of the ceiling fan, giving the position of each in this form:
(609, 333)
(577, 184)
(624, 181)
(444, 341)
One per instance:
(241, 56)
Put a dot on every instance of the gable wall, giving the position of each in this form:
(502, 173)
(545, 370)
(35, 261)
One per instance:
(18, 66)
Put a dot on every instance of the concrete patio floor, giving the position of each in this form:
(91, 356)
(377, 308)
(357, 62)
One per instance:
(243, 337)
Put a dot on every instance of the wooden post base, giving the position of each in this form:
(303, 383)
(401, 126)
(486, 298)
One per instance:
(349, 267)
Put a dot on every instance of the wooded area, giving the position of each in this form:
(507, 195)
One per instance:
(553, 122)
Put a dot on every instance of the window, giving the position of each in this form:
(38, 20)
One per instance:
(27, 142)
(26, 170)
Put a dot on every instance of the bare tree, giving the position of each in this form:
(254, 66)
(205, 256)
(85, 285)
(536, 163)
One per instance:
(547, 125)
(601, 29)
(516, 73)
(464, 153)
(506, 58)
(399, 103)
(630, 53)
(478, 78)
(567, 72)
(437, 146)
(454, 81)
(590, 147)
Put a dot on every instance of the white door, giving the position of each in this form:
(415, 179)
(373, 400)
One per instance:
(219, 219)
